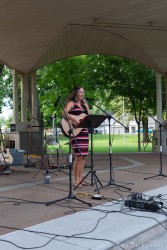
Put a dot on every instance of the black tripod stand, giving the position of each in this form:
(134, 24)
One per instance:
(43, 161)
(70, 194)
(111, 181)
(55, 141)
(92, 121)
(160, 152)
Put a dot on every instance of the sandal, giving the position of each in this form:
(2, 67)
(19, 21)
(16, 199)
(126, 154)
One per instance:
(84, 183)
(77, 186)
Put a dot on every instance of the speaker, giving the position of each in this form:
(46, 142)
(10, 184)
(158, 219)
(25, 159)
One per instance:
(12, 127)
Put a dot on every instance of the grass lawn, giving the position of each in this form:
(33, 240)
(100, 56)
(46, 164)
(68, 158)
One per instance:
(119, 143)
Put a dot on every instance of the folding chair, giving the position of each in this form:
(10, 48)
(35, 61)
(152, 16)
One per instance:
(55, 153)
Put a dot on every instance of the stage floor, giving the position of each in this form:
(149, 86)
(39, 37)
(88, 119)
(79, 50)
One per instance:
(24, 195)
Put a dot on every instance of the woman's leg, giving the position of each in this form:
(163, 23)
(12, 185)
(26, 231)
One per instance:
(77, 166)
(82, 167)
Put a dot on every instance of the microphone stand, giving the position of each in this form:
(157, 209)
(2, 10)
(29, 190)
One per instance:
(70, 194)
(160, 151)
(111, 181)
(43, 151)
(55, 133)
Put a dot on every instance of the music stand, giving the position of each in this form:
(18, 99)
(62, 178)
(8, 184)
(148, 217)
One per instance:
(91, 121)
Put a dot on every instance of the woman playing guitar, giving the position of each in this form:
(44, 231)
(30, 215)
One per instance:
(75, 110)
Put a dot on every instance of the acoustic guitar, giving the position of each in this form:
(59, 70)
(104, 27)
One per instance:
(67, 125)
(5, 156)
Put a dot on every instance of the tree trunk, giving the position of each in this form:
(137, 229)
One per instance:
(145, 130)
(139, 146)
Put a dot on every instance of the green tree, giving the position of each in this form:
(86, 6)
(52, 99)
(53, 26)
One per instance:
(114, 77)
(107, 78)
(137, 84)
(5, 87)
(58, 79)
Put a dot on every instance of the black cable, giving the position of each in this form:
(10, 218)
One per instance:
(22, 201)
(78, 235)
(56, 235)
(37, 184)
(19, 200)
(101, 239)
(133, 172)
(147, 217)
(12, 243)
(104, 211)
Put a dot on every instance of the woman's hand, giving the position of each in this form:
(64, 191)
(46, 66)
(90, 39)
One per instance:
(76, 120)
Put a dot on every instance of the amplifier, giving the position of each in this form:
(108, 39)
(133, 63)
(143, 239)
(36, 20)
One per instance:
(137, 201)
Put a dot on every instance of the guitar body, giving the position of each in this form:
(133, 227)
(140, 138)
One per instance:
(5, 156)
(67, 125)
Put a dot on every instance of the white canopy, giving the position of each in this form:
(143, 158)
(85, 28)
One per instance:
(34, 33)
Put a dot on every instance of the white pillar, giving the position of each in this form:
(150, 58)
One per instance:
(166, 97)
(34, 97)
(23, 98)
(159, 99)
(15, 95)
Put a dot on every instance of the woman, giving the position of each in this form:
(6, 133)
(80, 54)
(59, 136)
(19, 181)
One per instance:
(74, 111)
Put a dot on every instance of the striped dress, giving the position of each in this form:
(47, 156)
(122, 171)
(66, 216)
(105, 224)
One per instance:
(80, 144)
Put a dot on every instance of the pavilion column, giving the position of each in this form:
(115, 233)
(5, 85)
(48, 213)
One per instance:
(34, 97)
(15, 95)
(23, 97)
(159, 99)
(166, 97)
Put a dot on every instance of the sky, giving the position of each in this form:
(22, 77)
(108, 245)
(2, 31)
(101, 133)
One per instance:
(6, 112)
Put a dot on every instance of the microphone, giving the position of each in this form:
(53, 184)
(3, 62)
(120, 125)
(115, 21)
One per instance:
(57, 101)
(90, 99)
